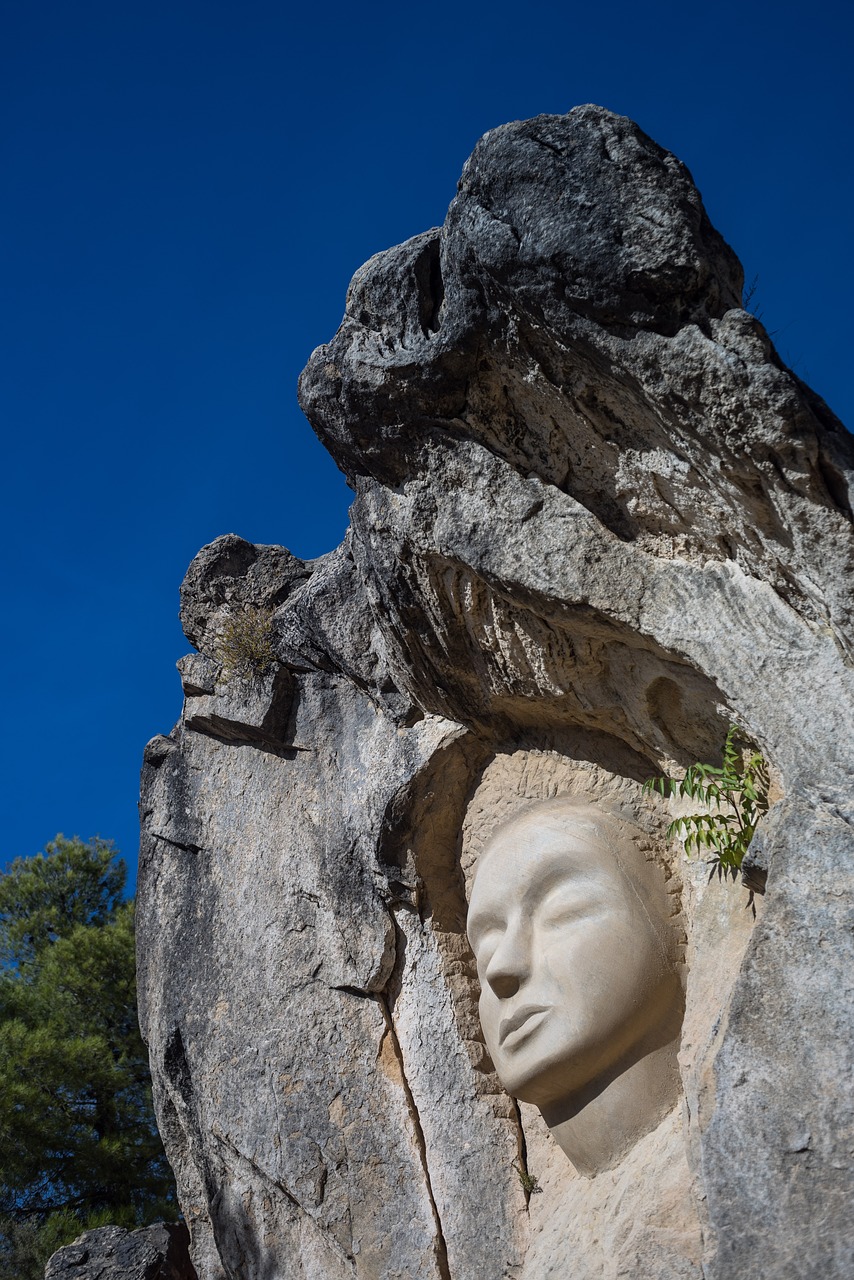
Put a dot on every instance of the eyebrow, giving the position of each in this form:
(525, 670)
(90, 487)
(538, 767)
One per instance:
(556, 876)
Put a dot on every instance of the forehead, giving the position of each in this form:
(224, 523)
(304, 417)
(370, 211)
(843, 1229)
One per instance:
(538, 849)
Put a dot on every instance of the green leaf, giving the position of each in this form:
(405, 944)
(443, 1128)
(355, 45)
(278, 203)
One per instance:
(739, 786)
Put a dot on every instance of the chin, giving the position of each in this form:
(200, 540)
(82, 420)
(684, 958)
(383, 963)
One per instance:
(531, 1082)
(516, 1082)
(546, 1078)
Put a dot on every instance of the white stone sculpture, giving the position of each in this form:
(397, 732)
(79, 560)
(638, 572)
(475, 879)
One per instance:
(581, 998)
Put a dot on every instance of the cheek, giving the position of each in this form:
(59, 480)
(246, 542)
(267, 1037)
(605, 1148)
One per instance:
(601, 958)
(607, 974)
(490, 1016)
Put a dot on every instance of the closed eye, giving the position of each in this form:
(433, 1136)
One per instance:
(482, 924)
(484, 943)
(565, 905)
(568, 914)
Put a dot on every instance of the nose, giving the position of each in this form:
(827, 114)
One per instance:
(509, 965)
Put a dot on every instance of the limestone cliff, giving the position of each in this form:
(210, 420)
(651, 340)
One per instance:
(596, 519)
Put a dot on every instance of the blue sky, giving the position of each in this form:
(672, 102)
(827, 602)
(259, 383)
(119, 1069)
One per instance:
(187, 189)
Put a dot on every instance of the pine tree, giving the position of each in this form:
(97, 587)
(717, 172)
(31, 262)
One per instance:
(78, 1142)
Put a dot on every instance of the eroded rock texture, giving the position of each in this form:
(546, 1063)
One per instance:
(596, 519)
(157, 1252)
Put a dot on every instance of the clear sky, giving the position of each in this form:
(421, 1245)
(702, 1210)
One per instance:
(187, 189)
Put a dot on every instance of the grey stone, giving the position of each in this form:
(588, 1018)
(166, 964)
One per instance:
(244, 709)
(158, 1252)
(596, 519)
(778, 1150)
(229, 573)
(198, 674)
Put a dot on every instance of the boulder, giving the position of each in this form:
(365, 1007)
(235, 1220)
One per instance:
(158, 1252)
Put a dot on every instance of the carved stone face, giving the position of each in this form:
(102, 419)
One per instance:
(569, 926)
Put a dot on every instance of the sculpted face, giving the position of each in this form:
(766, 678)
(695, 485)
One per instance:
(569, 926)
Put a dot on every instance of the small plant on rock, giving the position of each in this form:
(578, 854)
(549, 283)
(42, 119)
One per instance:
(734, 796)
(246, 644)
(748, 298)
(530, 1183)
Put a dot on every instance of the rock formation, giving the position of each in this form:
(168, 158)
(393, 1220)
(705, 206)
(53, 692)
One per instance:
(158, 1252)
(596, 520)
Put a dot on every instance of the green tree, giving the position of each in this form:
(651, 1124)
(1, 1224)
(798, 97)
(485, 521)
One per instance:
(78, 1142)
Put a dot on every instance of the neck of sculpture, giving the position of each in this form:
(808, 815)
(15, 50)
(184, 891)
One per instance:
(597, 1128)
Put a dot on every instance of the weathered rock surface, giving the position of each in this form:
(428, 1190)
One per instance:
(158, 1252)
(596, 519)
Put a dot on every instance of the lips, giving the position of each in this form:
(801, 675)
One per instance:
(524, 1020)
